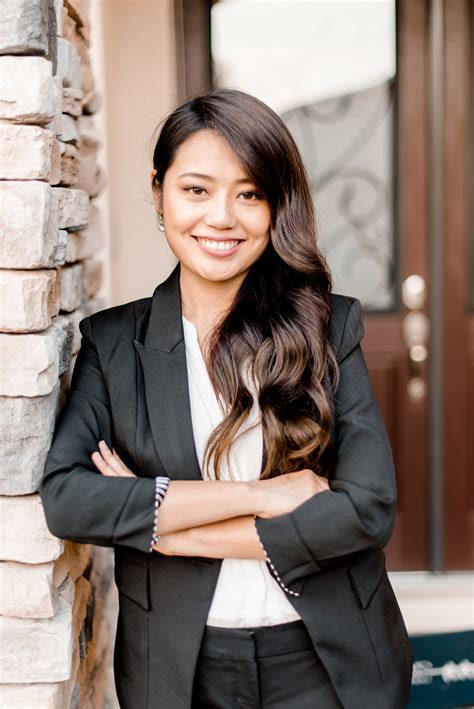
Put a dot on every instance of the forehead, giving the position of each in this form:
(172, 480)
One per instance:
(207, 152)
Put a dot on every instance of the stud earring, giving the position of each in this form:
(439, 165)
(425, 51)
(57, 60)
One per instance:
(161, 224)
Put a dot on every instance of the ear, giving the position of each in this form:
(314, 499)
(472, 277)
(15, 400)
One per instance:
(156, 192)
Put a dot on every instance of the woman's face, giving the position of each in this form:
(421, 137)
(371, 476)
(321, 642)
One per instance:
(216, 221)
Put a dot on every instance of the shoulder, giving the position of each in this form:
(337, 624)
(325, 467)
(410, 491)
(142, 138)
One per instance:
(346, 328)
(116, 321)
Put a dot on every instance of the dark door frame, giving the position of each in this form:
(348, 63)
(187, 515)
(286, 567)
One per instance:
(457, 490)
(192, 27)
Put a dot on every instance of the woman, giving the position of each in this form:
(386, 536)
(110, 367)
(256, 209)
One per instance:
(223, 437)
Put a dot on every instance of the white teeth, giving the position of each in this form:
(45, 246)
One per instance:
(218, 245)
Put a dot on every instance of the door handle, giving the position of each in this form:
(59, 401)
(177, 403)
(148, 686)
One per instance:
(415, 331)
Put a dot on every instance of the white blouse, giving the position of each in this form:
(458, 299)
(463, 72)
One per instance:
(246, 593)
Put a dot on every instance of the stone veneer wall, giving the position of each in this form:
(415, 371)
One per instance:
(55, 643)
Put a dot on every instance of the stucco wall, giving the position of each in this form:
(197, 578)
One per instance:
(138, 81)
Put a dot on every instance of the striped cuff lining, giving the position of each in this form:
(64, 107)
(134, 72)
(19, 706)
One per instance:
(272, 568)
(161, 487)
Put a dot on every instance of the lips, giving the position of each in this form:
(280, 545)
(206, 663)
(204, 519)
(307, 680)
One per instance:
(214, 238)
(219, 247)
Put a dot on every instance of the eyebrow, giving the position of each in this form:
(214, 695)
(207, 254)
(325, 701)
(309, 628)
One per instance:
(201, 176)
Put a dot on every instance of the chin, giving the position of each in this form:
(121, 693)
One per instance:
(217, 275)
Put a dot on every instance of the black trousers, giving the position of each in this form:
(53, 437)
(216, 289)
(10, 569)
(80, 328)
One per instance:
(272, 666)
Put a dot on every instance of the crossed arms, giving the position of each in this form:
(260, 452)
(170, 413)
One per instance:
(217, 519)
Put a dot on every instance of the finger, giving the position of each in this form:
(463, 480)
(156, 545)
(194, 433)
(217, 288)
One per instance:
(322, 478)
(110, 459)
(106, 469)
(115, 461)
(114, 452)
(100, 463)
(125, 467)
(322, 483)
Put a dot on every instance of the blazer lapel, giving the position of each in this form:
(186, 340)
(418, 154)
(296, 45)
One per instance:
(162, 356)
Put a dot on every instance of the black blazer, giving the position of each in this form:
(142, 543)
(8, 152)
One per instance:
(130, 388)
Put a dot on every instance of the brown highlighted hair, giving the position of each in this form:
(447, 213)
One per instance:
(280, 315)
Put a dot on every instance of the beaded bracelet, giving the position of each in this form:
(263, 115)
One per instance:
(272, 568)
(161, 487)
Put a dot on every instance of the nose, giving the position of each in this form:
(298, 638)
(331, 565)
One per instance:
(220, 213)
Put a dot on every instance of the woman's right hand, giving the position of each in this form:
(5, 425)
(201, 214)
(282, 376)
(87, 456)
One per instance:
(282, 494)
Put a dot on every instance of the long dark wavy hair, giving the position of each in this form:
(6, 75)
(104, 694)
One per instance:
(279, 318)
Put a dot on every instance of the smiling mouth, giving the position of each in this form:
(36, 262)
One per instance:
(215, 245)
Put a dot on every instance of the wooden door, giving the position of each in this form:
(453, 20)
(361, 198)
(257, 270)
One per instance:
(428, 400)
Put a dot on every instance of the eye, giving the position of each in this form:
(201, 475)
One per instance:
(195, 190)
(250, 195)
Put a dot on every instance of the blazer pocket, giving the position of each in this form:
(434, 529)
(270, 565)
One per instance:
(366, 575)
(132, 580)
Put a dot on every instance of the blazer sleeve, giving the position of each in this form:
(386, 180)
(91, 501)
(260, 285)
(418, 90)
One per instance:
(81, 504)
(358, 512)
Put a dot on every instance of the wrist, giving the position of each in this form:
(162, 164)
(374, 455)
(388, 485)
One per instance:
(186, 542)
(179, 543)
(258, 497)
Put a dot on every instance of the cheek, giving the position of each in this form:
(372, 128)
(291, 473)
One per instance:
(257, 223)
(261, 227)
(177, 210)
(180, 216)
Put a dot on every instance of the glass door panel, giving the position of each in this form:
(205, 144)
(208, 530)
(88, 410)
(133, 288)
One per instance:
(329, 70)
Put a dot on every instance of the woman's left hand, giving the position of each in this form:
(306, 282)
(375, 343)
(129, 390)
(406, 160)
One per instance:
(109, 462)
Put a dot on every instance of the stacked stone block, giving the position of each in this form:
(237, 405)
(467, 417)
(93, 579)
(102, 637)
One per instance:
(54, 650)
